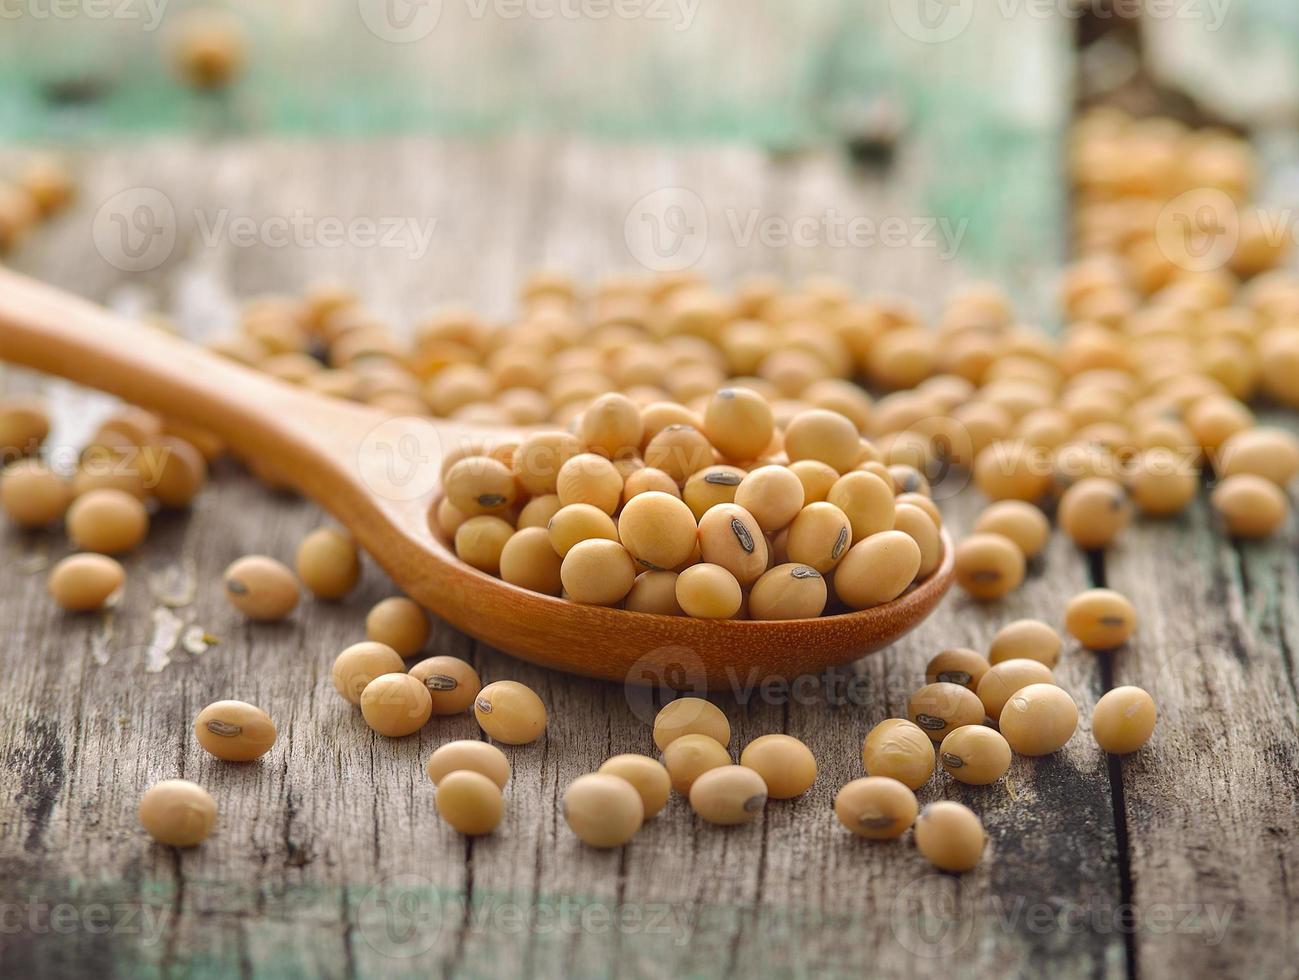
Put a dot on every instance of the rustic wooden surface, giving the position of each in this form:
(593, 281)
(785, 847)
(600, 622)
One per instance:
(983, 89)
(329, 859)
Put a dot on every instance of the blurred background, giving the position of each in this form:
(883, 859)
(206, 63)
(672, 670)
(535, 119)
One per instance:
(946, 115)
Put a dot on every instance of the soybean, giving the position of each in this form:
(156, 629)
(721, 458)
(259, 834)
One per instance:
(328, 563)
(975, 754)
(877, 569)
(588, 478)
(680, 451)
(86, 582)
(729, 536)
(774, 495)
(690, 756)
(901, 750)
(819, 536)
(260, 587)
(579, 522)
(711, 486)
(1006, 677)
(177, 813)
(529, 561)
(603, 810)
(481, 485)
(690, 716)
(480, 540)
(728, 795)
(1250, 506)
(1100, 619)
(180, 471)
(920, 527)
(1025, 639)
(538, 511)
(597, 572)
(396, 704)
(1123, 720)
(469, 754)
(957, 665)
(235, 731)
(647, 776)
(641, 481)
(939, 708)
(789, 591)
(817, 479)
(108, 521)
(24, 426)
(658, 530)
(950, 836)
(399, 623)
(654, 592)
(785, 764)
(825, 436)
(1021, 522)
(452, 683)
(739, 422)
(876, 807)
(510, 712)
(866, 500)
(988, 566)
(1038, 719)
(32, 494)
(1162, 482)
(1270, 453)
(470, 802)
(361, 663)
(612, 425)
(539, 458)
(707, 591)
(1094, 511)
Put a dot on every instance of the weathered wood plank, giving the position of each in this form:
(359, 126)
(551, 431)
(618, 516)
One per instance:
(1212, 804)
(307, 835)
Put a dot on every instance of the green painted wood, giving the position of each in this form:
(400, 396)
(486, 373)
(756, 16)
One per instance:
(985, 107)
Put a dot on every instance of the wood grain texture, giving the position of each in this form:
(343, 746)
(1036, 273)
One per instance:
(378, 477)
(329, 858)
(1212, 806)
(984, 92)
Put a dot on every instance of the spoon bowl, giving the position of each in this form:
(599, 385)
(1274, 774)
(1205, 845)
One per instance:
(379, 476)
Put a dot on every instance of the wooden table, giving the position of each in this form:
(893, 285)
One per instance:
(328, 859)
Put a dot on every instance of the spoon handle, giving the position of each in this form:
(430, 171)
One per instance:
(47, 329)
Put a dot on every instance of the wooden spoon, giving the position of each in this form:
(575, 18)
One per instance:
(379, 476)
